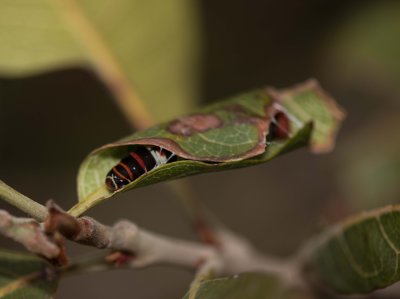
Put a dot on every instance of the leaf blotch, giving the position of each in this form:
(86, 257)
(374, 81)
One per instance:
(195, 123)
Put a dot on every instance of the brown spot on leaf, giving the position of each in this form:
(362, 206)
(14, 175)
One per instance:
(185, 126)
(201, 122)
(195, 123)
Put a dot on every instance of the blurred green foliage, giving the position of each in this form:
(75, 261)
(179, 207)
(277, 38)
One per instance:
(367, 45)
(154, 44)
(26, 276)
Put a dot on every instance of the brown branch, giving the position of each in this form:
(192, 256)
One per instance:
(134, 247)
(29, 233)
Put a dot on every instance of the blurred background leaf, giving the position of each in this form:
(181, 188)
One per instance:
(26, 276)
(154, 44)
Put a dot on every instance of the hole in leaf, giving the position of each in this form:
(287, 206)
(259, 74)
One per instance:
(279, 128)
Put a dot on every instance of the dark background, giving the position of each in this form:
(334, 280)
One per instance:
(49, 123)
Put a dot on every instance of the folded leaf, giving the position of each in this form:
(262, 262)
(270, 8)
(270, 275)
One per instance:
(245, 130)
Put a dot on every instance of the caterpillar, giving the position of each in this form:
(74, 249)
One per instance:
(139, 161)
(145, 158)
(279, 127)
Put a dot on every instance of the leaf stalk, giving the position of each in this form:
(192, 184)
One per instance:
(22, 202)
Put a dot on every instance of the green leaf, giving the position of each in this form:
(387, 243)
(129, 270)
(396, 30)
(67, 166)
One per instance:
(309, 103)
(226, 135)
(26, 276)
(360, 254)
(248, 285)
(149, 44)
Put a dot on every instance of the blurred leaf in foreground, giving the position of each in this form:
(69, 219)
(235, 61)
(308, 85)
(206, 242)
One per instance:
(143, 43)
(247, 285)
(26, 276)
(361, 254)
(229, 134)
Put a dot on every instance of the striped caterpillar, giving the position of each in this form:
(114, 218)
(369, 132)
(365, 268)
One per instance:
(139, 161)
(145, 158)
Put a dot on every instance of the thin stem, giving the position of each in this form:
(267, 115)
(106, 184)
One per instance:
(29, 233)
(205, 222)
(20, 201)
(185, 195)
(89, 201)
(87, 264)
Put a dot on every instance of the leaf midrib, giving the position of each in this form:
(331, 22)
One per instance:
(104, 61)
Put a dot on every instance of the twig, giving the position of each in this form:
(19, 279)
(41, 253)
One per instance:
(204, 222)
(20, 201)
(147, 248)
(29, 233)
(134, 247)
(89, 201)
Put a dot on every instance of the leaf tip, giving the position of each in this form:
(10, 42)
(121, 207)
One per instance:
(336, 114)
